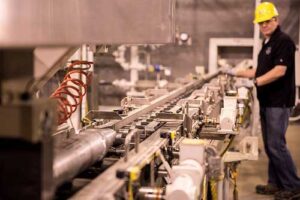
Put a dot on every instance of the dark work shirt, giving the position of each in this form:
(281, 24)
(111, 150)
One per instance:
(279, 50)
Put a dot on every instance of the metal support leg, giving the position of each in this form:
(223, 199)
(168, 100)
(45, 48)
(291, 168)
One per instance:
(226, 183)
(152, 178)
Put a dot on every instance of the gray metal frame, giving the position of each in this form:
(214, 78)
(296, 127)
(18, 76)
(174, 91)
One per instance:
(34, 23)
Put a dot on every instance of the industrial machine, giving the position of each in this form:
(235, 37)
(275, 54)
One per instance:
(169, 143)
(166, 145)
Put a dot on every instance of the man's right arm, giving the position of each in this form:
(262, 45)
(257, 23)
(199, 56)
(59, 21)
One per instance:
(248, 73)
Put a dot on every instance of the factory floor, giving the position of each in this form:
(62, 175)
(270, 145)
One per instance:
(251, 173)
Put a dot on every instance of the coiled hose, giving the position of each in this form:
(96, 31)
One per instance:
(72, 89)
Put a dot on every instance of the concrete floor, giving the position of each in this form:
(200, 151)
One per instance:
(251, 173)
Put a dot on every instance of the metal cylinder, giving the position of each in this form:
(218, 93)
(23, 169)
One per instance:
(80, 151)
(187, 180)
(151, 193)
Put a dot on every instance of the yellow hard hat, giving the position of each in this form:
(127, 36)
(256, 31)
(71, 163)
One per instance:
(265, 11)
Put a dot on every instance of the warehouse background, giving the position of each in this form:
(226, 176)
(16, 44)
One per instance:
(218, 18)
(202, 20)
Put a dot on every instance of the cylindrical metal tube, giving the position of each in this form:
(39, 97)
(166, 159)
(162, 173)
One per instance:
(151, 193)
(80, 151)
(187, 180)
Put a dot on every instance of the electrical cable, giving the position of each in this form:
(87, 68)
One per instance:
(72, 89)
(227, 147)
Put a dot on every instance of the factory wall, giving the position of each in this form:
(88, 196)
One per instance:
(204, 19)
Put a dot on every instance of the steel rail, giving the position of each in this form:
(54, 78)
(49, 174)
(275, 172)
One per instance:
(117, 124)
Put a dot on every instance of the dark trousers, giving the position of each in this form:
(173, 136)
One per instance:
(282, 170)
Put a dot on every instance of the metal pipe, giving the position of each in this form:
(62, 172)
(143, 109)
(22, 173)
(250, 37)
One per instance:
(146, 190)
(154, 196)
(135, 133)
(80, 151)
(151, 192)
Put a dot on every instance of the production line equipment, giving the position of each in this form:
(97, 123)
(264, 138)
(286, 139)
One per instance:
(177, 144)
(181, 143)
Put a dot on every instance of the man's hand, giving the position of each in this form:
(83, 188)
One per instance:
(230, 71)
